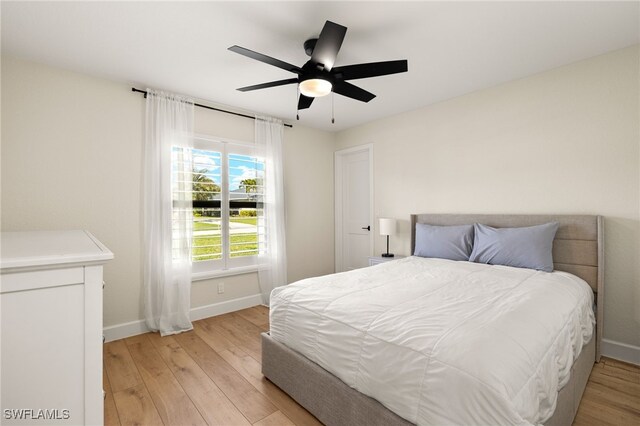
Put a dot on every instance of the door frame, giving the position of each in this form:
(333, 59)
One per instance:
(338, 159)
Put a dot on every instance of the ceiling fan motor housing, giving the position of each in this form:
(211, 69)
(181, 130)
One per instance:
(312, 71)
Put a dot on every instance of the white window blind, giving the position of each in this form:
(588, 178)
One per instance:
(228, 218)
(246, 215)
(207, 211)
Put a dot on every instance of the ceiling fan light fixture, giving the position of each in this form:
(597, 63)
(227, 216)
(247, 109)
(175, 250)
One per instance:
(315, 87)
(318, 76)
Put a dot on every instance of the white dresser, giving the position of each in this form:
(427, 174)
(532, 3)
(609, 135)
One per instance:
(51, 327)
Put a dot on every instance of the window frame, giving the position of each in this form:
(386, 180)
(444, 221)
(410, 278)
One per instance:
(227, 265)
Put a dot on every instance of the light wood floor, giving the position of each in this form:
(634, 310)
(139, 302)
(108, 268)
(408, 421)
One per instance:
(612, 396)
(212, 376)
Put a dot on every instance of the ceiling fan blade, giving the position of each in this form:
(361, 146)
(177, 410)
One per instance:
(304, 102)
(269, 84)
(328, 44)
(350, 91)
(266, 59)
(372, 69)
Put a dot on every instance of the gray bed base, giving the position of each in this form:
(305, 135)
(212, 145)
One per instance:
(578, 248)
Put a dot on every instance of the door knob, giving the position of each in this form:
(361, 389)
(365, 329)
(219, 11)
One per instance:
(368, 228)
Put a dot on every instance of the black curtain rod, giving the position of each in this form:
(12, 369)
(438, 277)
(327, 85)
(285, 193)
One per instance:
(133, 89)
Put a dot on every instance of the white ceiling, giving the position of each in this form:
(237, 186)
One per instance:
(453, 48)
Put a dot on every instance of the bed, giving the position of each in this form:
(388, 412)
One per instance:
(577, 249)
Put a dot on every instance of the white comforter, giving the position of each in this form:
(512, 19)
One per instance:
(442, 342)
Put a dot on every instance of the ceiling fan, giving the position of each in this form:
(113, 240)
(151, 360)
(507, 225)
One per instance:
(318, 77)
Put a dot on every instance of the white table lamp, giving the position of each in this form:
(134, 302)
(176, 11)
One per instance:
(387, 227)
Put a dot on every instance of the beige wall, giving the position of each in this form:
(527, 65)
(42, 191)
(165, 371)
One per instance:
(71, 159)
(564, 141)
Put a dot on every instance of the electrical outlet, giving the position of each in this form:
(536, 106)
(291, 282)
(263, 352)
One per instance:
(220, 288)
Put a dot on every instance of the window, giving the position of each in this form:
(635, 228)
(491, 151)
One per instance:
(228, 221)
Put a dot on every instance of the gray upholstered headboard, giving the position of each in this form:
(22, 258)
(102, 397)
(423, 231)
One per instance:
(578, 247)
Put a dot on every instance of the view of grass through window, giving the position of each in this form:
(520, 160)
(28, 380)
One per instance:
(244, 194)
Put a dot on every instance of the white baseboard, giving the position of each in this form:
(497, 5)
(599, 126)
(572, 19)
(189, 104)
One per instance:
(621, 351)
(224, 307)
(128, 329)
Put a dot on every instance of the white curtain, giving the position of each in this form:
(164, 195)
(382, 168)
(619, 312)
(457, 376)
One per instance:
(167, 230)
(272, 270)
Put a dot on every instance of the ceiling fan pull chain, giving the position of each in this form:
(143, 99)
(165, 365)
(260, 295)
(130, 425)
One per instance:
(297, 107)
(333, 116)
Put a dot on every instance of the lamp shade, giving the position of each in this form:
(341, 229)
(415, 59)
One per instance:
(387, 226)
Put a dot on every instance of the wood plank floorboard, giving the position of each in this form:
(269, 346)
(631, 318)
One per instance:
(251, 403)
(214, 405)
(612, 396)
(252, 371)
(213, 375)
(258, 315)
(239, 332)
(121, 369)
(135, 407)
(172, 402)
(212, 337)
(275, 419)
(110, 412)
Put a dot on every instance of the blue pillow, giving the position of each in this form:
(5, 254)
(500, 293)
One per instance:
(529, 247)
(444, 242)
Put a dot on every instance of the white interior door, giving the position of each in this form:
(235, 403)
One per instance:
(354, 221)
